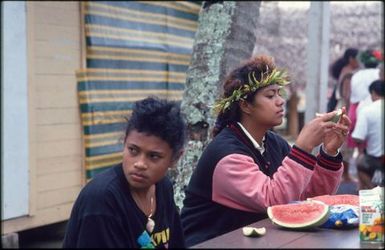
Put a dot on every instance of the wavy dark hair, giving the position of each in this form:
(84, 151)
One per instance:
(160, 118)
(238, 77)
(340, 63)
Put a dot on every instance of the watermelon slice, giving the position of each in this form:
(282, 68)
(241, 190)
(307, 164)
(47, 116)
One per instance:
(301, 215)
(338, 199)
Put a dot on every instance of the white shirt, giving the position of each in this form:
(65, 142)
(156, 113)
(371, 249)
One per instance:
(363, 103)
(255, 143)
(369, 126)
(360, 83)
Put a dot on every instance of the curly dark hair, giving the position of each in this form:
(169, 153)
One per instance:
(160, 118)
(239, 76)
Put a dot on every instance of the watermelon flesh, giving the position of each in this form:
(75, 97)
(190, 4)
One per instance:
(301, 215)
(344, 210)
(338, 199)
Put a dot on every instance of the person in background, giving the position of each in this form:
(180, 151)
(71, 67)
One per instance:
(131, 205)
(377, 56)
(342, 70)
(382, 75)
(369, 128)
(359, 96)
(247, 167)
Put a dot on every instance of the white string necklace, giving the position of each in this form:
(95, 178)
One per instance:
(150, 222)
(150, 225)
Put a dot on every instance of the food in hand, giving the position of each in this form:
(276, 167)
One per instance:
(337, 116)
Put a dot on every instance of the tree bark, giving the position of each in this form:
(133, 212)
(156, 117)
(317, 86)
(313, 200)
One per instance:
(293, 128)
(225, 36)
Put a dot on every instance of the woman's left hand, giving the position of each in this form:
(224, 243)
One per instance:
(336, 136)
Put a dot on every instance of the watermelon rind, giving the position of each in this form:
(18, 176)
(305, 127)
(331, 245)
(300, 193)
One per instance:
(321, 219)
(253, 231)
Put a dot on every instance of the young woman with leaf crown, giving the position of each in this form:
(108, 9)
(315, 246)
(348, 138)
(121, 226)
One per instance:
(247, 167)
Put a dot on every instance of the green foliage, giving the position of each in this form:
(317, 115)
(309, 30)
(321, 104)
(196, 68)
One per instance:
(369, 57)
(275, 77)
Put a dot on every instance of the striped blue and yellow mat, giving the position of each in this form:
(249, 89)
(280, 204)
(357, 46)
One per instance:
(134, 49)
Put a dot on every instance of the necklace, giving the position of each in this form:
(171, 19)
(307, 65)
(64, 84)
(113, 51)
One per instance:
(150, 225)
(150, 222)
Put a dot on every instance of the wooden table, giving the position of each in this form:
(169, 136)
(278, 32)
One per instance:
(277, 237)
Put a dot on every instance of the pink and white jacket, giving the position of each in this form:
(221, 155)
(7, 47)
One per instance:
(233, 183)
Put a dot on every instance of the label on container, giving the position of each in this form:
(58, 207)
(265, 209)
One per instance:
(372, 215)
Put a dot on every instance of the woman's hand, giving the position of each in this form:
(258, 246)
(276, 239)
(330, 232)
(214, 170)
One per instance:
(313, 133)
(334, 138)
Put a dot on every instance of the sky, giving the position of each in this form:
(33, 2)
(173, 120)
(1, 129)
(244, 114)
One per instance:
(306, 4)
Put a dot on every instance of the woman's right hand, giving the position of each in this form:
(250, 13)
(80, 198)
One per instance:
(312, 134)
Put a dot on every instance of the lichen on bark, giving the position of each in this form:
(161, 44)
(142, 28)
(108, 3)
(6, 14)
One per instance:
(202, 87)
(221, 36)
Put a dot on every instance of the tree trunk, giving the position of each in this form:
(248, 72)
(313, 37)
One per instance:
(225, 37)
(293, 127)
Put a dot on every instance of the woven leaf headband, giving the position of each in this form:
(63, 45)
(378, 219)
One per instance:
(275, 77)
